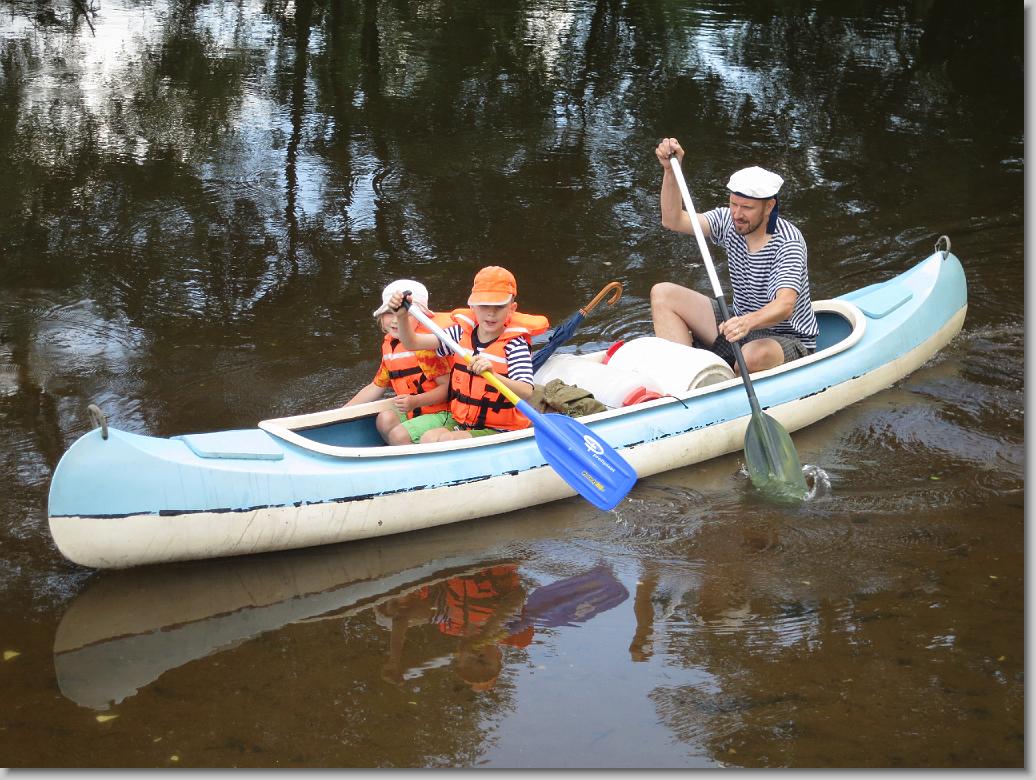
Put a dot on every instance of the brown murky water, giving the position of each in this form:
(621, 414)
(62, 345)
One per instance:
(203, 202)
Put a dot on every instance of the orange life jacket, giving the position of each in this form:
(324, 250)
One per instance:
(474, 403)
(406, 375)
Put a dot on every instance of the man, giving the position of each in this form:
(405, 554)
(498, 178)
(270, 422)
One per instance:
(771, 311)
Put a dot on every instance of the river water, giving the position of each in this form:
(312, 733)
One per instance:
(202, 203)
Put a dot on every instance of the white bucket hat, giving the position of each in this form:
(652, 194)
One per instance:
(418, 294)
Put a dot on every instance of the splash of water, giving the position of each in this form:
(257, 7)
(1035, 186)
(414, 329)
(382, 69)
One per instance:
(818, 484)
(817, 480)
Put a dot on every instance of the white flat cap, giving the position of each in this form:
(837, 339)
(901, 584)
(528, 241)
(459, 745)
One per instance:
(755, 182)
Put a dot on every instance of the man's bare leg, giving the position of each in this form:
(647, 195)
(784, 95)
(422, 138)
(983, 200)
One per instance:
(679, 314)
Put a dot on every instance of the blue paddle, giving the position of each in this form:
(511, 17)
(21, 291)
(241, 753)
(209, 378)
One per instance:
(585, 461)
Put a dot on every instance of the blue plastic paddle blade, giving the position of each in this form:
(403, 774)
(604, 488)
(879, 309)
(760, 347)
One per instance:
(580, 457)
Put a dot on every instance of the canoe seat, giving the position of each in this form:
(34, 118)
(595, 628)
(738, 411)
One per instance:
(240, 445)
(834, 327)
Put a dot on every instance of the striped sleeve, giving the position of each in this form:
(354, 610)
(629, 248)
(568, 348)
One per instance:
(519, 360)
(454, 332)
(719, 221)
(789, 266)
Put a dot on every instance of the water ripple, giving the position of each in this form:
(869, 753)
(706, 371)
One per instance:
(660, 512)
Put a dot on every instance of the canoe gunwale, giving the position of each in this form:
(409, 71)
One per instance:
(288, 428)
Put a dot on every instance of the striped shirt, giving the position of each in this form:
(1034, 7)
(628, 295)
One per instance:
(517, 352)
(756, 277)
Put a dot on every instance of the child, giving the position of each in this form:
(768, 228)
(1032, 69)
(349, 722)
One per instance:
(418, 378)
(500, 337)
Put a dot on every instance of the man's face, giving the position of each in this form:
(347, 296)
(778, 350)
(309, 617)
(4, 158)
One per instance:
(749, 213)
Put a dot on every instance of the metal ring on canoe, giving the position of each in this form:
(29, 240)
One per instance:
(98, 419)
(943, 240)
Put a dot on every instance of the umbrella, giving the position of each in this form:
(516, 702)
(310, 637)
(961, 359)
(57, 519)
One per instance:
(564, 331)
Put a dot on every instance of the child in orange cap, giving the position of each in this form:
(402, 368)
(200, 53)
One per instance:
(499, 337)
(418, 378)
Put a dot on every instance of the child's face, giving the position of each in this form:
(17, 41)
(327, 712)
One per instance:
(492, 319)
(389, 323)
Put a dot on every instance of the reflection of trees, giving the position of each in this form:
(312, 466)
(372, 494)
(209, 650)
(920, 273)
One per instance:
(65, 15)
(182, 194)
(782, 672)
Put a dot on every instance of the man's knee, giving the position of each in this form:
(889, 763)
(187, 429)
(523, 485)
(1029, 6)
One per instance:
(761, 355)
(664, 293)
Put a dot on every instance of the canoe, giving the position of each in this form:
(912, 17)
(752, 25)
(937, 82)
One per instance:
(120, 499)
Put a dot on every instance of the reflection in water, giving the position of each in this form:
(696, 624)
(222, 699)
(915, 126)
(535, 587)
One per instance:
(114, 640)
(130, 628)
(474, 609)
(660, 593)
(798, 621)
(201, 200)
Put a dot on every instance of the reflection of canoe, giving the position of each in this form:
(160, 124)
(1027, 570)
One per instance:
(321, 478)
(128, 628)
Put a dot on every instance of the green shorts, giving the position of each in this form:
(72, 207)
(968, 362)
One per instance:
(420, 425)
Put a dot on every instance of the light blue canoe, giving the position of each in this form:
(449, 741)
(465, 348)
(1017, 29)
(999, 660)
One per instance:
(121, 499)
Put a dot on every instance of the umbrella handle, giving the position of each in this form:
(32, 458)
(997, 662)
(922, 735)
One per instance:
(615, 288)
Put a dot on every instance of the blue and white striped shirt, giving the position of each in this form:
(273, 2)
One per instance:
(756, 277)
(517, 352)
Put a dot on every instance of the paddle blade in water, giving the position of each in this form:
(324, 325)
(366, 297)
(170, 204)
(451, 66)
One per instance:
(773, 463)
(581, 458)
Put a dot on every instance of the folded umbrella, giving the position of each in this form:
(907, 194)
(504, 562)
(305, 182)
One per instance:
(564, 331)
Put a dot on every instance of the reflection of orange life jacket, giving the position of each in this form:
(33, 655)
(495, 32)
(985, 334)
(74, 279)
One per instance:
(471, 600)
(474, 403)
(405, 373)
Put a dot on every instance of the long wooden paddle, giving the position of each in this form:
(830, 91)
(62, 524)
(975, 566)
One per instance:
(585, 461)
(770, 454)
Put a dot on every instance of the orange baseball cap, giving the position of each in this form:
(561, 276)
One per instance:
(494, 286)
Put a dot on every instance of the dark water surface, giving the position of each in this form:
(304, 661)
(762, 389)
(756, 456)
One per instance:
(202, 202)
